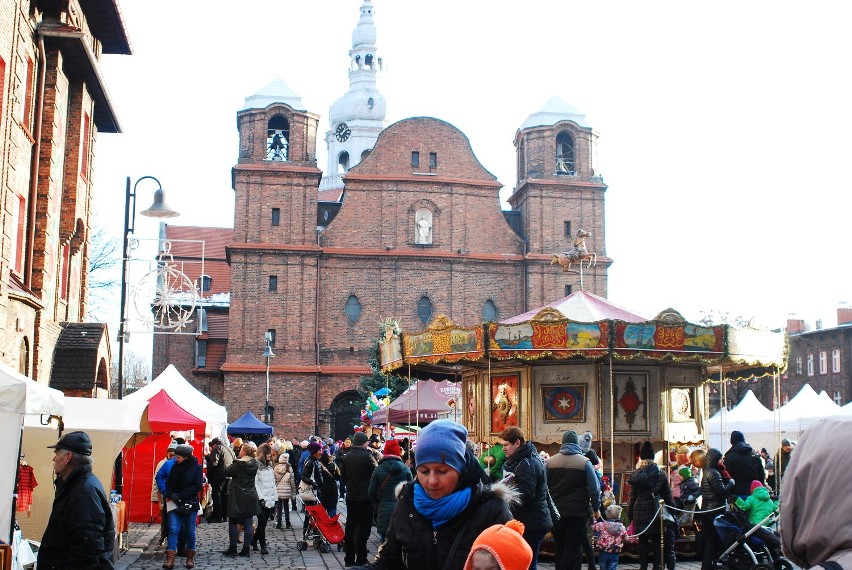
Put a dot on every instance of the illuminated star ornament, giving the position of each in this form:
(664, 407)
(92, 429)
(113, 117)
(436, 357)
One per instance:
(563, 402)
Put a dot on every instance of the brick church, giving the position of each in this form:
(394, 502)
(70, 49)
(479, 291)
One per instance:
(404, 222)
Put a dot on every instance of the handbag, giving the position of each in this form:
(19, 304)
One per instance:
(306, 492)
(187, 507)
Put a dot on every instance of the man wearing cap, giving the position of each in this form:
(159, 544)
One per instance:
(743, 464)
(218, 459)
(576, 492)
(782, 459)
(357, 470)
(80, 532)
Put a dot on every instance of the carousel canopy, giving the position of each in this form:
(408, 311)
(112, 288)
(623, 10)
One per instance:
(584, 307)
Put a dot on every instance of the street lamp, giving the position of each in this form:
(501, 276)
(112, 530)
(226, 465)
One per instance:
(158, 209)
(267, 354)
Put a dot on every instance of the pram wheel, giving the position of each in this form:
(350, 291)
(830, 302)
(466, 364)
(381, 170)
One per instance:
(301, 545)
(325, 548)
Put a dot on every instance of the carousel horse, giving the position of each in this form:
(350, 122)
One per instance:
(577, 254)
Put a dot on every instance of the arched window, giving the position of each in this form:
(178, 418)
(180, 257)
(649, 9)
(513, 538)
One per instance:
(365, 154)
(424, 309)
(206, 283)
(24, 357)
(277, 138)
(489, 311)
(352, 308)
(343, 162)
(565, 155)
(423, 226)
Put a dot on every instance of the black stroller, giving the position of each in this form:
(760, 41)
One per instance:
(749, 547)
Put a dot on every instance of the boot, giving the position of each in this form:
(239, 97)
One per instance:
(190, 558)
(246, 551)
(232, 551)
(263, 550)
(670, 562)
(170, 560)
(278, 525)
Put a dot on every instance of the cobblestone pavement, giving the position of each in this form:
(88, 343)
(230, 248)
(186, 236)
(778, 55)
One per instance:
(144, 553)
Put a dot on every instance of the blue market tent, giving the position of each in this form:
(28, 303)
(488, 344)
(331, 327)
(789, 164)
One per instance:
(249, 424)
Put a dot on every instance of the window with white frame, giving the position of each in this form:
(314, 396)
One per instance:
(835, 360)
(810, 365)
(823, 362)
(785, 399)
(798, 365)
(837, 398)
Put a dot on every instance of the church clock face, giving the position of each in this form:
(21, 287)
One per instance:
(342, 132)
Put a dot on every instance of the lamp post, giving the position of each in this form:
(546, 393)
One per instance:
(267, 354)
(158, 209)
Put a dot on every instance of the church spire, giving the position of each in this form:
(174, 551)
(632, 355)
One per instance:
(357, 118)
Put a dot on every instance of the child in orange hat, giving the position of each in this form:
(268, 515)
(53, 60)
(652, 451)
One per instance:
(500, 547)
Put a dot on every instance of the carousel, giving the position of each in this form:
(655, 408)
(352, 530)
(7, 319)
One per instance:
(586, 364)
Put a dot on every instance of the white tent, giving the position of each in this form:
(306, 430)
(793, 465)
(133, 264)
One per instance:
(109, 423)
(845, 410)
(805, 409)
(19, 396)
(188, 398)
(749, 416)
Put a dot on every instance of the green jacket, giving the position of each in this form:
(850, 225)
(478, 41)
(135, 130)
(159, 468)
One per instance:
(758, 505)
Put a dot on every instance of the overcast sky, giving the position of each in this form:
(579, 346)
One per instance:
(724, 127)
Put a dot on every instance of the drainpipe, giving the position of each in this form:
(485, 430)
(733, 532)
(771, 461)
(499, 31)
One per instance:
(34, 163)
(316, 342)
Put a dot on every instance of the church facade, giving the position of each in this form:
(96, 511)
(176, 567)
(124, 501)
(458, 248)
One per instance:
(405, 222)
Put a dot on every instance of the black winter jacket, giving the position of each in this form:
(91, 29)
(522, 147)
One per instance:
(744, 466)
(185, 481)
(80, 532)
(714, 490)
(648, 485)
(530, 481)
(357, 469)
(243, 501)
(220, 457)
(412, 543)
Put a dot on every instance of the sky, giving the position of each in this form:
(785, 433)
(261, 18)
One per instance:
(723, 127)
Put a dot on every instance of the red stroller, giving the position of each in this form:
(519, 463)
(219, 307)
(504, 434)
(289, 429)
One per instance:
(320, 529)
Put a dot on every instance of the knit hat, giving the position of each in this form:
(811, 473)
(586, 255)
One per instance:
(570, 436)
(613, 512)
(505, 542)
(442, 441)
(737, 437)
(360, 438)
(303, 444)
(585, 442)
(184, 450)
(284, 458)
(785, 442)
(683, 450)
(647, 451)
(754, 485)
(392, 448)
(685, 472)
(313, 447)
(375, 438)
(238, 442)
(173, 445)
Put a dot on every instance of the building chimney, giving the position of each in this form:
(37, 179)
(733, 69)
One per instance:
(819, 324)
(844, 315)
(795, 326)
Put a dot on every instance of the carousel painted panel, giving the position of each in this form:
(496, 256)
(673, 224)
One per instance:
(658, 340)
(683, 405)
(444, 341)
(564, 397)
(636, 396)
(540, 338)
(390, 345)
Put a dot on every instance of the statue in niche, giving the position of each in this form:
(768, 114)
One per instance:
(423, 226)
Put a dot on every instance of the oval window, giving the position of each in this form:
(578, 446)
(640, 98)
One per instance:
(424, 309)
(489, 311)
(370, 103)
(352, 308)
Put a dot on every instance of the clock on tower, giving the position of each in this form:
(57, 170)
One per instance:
(342, 132)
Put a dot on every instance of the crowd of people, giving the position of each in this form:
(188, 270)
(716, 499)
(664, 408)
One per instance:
(438, 503)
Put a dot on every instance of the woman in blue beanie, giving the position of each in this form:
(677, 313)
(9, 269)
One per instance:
(439, 514)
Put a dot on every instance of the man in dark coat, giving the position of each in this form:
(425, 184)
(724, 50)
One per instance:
(80, 532)
(575, 489)
(523, 461)
(219, 458)
(743, 464)
(357, 470)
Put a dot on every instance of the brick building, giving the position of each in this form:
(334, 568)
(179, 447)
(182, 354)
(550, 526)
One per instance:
(53, 104)
(820, 358)
(406, 223)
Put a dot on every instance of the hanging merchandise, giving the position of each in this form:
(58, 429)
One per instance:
(26, 483)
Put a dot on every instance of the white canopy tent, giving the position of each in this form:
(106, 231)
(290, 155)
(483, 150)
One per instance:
(19, 397)
(749, 416)
(805, 409)
(109, 423)
(188, 398)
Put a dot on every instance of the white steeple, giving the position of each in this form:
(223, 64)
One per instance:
(357, 118)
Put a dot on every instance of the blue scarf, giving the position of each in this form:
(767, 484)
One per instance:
(439, 511)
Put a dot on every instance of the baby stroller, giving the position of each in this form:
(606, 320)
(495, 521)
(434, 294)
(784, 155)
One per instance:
(749, 547)
(320, 529)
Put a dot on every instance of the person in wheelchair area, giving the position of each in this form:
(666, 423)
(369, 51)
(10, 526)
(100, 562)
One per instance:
(815, 518)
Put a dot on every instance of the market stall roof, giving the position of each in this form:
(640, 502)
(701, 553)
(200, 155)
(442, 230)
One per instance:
(584, 307)
(249, 424)
(166, 415)
(423, 402)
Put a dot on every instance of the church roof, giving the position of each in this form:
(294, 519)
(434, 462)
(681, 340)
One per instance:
(583, 307)
(554, 111)
(275, 92)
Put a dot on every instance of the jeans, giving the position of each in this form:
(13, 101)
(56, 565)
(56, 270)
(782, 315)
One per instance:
(608, 560)
(248, 531)
(180, 521)
(568, 540)
(534, 539)
(359, 523)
